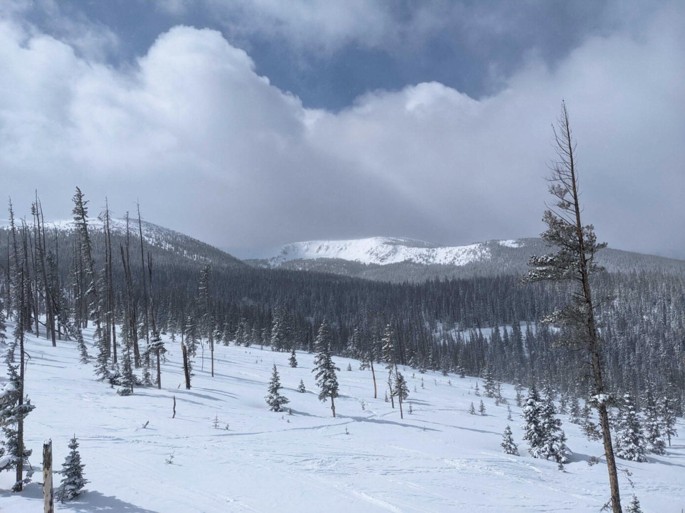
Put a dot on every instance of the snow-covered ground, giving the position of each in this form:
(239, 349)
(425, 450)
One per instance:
(225, 451)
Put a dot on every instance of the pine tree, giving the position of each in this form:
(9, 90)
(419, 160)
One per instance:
(324, 367)
(489, 384)
(388, 354)
(574, 261)
(472, 409)
(668, 418)
(85, 255)
(634, 506)
(508, 444)
(543, 430)
(101, 367)
(301, 388)
(13, 410)
(15, 407)
(630, 440)
(280, 330)
(652, 425)
(481, 408)
(72, 474)
(401, 390)
(128, 379)
(293, 359)
(275, 400)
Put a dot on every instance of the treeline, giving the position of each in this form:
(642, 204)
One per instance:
(134, 287)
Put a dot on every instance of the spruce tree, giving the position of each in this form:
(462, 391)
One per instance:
(324, 367)
(508, 444)
(630, 440)
(301, 388)
(275, 400)
(293, 358)
(72, 474)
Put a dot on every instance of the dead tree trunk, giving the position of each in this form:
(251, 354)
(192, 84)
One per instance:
(48, 491)
(186, 365)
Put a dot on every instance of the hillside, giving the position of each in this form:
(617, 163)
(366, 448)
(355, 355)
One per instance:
(163, 241)
(225, 451)
(399, 260)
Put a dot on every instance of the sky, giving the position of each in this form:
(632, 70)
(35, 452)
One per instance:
(251, 124)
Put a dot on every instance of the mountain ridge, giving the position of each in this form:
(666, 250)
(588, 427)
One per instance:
(400, 259)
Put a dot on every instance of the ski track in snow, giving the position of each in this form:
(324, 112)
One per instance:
(437, 459)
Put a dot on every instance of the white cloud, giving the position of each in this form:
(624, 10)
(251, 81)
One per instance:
(210, 147)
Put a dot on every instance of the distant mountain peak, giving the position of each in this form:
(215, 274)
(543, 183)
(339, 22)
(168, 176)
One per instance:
(386, 251)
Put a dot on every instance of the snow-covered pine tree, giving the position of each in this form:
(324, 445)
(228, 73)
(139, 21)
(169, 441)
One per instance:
(489, 384)
(543, 430)
(101, 366)
(128, 379)
(324, 367)
(72, 474)
(481, 408)
(652, 423)
(401, 390)
(85, 254)
(508, 444)
(280, 330)
(15, 407)
(555, 443)
(293, 358)
(532, 416)
(574, 411)
(13, 410)
(634, 506)
(667, 408)
(275, 400)
(301, 388)
(388, 355)
(472, 409)
(630, 440)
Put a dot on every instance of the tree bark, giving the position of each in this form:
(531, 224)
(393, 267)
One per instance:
(186, 368)
(48, 491)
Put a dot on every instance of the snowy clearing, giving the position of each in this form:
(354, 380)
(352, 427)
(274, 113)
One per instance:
(225, 451)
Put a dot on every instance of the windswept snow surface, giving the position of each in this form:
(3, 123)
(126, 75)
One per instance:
(382, 251)
(225, 451)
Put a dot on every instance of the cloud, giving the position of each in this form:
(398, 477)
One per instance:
(213, 149)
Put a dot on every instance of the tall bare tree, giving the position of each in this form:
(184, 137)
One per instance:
(574, 260)
(41, 257)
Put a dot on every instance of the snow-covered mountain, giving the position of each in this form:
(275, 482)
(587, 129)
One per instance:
(164, 242)
(384, 251)
(400, 259)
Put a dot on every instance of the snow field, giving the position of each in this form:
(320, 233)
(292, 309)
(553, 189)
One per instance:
(225, 451)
